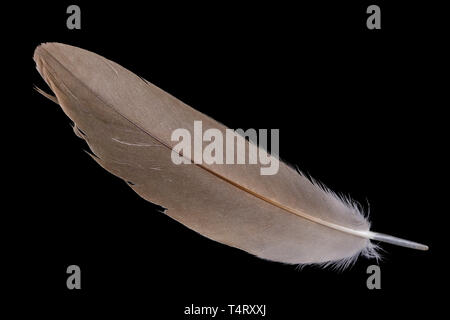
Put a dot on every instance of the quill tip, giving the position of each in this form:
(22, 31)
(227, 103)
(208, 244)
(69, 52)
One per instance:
(398, 241)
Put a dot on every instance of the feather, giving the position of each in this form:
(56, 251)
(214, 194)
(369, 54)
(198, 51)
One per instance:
(127, 123)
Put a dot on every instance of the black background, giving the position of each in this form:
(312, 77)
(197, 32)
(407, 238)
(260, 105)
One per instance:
(357, 109)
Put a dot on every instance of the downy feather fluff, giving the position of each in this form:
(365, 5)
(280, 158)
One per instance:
(127, 123)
